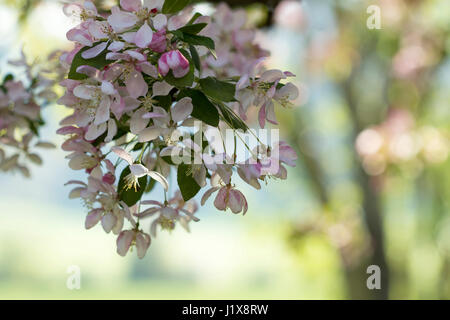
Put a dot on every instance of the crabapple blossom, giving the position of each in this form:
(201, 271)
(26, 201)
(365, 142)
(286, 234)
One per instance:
(134, 237)
(144, 83)
(175, 61)
(21, 101)
(175, 209)
(227, 197)
(138, 171)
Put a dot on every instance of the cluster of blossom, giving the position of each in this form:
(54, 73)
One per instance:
(137, 89)
(236, 50)
(398, 140)
(21, 101)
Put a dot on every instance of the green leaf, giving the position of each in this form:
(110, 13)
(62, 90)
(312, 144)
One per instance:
(138, 146)
(8, 77)
(33, 127)
(173, 6)
(279, 85)
(185, 81)
(168, 159)
(178, 34)
(194, 17)
(192, 28)
(218, 90)
(213, 53)
(194, 39)
(163, 101)
(203, 110)
(233, 120)
(195, 57)
(98, 62)
(130, 196)
(186, 182)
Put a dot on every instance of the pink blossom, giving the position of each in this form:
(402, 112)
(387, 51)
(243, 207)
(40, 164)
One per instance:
(159, 42)
(227, 197)
(128, 238)
(175, 209)
(144, 36)
(21, 98)
(134, 63)
(127, 104)
(81, 35)
(121, 20)
(138, 170)
(173, 60)
(87, 10)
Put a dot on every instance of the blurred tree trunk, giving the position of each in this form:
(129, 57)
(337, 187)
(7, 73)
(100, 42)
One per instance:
(356, 276)
(371, 202)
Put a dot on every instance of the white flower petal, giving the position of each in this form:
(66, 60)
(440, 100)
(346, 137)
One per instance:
(102, 114)
(135, 55)
(92, 218)
(161, 88)
(112, 130)
(288, 90)
(120, 20)
(169, 212)
(138, 170)
(159, 21)
(84, 92)
(94, 51)
(235, 202)
(208, 194)
(75, 193)
(129, 36)
(108, 88)
(94, 131)
(108, 222)
(160, 178)
(123, 154)
(144, 36)
(124, 242)
(149, 69)
(272, 75)
(137, 123)
(149, 134)
(142, 244)
(182, 109)
(116, 46)
(136, 85)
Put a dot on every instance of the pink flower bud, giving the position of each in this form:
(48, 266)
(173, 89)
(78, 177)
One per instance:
(109, 178)
(173, 60)
(159, 43)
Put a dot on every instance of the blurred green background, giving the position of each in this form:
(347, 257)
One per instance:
(353, 200)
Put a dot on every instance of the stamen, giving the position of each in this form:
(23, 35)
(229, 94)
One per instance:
(166, 224)
(131, 181)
